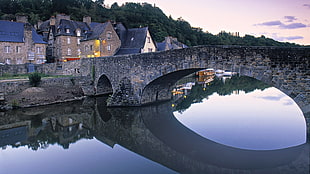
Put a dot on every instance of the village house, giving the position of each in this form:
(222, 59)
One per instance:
(103, 41)
(72, 40)
(135, 40)
(20, 44)
(170, 43)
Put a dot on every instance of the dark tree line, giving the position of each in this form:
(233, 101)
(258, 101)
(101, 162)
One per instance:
(130, 14)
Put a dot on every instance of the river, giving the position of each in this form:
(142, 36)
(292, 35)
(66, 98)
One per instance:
(217, 125)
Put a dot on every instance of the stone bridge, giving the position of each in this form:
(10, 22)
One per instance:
(142, 79)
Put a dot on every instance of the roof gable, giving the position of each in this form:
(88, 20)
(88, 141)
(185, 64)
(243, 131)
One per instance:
(97, 30)
(135, 38)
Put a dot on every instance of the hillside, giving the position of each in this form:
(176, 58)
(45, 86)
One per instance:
(131, 15)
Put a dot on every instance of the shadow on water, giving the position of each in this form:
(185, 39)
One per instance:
(152, 132)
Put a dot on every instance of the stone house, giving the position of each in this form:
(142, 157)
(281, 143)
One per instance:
(19, 43)
(135, 40)
(72, 40)
(170, 43)
(103, 41)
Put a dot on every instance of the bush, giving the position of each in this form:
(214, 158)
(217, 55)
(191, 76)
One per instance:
(34, 79)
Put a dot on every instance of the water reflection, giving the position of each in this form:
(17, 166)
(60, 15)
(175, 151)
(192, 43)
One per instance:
(87, 137)
(248, 115)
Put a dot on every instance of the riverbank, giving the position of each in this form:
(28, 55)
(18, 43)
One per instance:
(19, 93)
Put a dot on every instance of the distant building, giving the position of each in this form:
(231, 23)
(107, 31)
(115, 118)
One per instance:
(170, 43)
(135, 40)
(19, 43)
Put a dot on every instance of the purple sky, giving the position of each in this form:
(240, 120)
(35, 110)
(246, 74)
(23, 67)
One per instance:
(282, 20)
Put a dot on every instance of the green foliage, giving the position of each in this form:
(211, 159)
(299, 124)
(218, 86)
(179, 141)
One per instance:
(34, 79)
(132, 15)
(15, 104)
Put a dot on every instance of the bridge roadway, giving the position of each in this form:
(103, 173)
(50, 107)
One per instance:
(141, 79)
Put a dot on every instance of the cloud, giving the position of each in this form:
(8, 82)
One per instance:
(293, 26)
(287, 38)
(307, 5)
(290, 18)
(271, 23)
(293, 37)
(282, 25)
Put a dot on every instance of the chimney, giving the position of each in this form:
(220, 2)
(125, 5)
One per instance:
(87, 20)
(53, 21)
(61, 16)
(28, 41)
(22, 18)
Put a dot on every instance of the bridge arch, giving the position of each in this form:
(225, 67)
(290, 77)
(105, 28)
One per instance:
(160, 89)
(103, 85)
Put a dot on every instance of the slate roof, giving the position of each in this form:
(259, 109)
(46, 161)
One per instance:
(38, 39)
(135, 38)
(133, 41)
(12, 136)
(72, 26)
(97, 30)
(11, 31)
(14, 32)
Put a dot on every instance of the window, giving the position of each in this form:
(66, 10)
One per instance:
(109, 36)
(109, 47)
(40, 61)
(69, 52)
(148, 39)
(68, 40)
(79, 52)
(19, 61)
(150, 50)
(78, 32)
(78, 41)
(91, 47)
(7, 49)
(86, 48)
(39, 50)
(67, 30)
(8, 61)
(18, 49)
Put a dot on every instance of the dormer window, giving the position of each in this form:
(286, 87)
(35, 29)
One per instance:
(78, 32)
(67, 30)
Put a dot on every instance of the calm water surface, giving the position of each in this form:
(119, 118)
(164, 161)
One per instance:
(207, 128)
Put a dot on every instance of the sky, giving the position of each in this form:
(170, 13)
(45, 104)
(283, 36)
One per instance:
(282, 20)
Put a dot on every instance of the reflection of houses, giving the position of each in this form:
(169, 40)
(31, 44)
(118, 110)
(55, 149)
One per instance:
(63, 130)
(19, 43)
(170, 43)
(183, 89)
(135, 40)
(205, 76)
(14, 133)
(224, 74)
